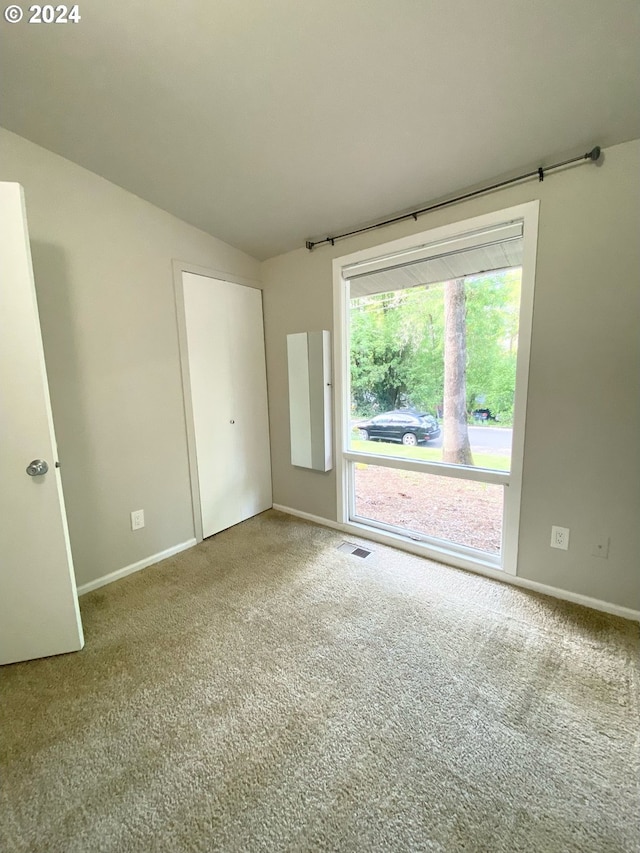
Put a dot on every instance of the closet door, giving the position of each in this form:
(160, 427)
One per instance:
(227, 378)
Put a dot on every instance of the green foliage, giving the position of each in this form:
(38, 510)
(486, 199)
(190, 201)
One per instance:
(381, 349)
(492, 342)
(397, 347)
(396, 351)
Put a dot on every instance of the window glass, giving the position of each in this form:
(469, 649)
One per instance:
(445, 349)
(446, 508)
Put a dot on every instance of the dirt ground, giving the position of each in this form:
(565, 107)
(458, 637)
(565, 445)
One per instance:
(462, 511)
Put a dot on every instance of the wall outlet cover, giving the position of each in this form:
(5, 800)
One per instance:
(137, 519)
(560, 538)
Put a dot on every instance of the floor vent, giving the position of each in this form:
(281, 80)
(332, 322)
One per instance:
(354, 550)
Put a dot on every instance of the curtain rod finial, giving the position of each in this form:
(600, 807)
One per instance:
(309, 245)
(594, 154)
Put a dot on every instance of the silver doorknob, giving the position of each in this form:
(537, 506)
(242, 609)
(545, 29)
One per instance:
(232, 422)
(37, 468)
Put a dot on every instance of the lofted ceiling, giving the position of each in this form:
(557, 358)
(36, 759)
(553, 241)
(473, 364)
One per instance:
(267, 122)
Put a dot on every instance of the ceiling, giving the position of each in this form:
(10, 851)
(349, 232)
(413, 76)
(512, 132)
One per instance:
(268, 122)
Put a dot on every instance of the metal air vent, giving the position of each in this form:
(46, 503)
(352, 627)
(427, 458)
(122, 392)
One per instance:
(354, 550)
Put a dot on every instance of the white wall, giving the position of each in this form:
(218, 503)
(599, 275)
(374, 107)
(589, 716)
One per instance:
(102, 262)
(582, 458)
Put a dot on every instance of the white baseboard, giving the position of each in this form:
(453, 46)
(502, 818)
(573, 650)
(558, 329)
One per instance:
(325, 522)
(503, 577)
(135, 567)
(575, 597)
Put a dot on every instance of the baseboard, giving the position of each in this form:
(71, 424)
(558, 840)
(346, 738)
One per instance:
(575, 597)
(514, 580)
(135, 567)
(318, 519)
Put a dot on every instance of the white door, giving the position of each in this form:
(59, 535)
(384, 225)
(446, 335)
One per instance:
(39, 614)
(227, 378)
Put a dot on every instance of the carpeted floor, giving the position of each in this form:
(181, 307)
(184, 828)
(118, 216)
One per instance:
(266, 692)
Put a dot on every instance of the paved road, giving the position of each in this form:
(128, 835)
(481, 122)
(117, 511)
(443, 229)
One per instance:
(491, 439)
(485, 439)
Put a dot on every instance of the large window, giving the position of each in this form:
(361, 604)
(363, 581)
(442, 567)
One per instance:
(433, 361)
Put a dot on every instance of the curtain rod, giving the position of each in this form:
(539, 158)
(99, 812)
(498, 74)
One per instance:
(540, 172)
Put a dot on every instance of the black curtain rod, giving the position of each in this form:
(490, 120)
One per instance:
(539, 173)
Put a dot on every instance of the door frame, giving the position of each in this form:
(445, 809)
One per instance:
(180, 267)
(512, 482)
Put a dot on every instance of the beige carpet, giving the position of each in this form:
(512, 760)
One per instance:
(265, 692)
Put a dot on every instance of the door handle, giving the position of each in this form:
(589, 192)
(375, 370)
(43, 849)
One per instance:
(37, 468)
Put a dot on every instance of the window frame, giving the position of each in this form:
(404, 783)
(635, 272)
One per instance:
(345, 458)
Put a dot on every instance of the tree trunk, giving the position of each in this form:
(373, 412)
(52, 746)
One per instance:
(456, 448)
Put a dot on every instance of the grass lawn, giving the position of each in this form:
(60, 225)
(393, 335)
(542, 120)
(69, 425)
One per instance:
(494, 461)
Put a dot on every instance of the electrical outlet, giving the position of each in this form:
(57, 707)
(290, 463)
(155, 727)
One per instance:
(137, 519)
(601, 549)
(560, 538)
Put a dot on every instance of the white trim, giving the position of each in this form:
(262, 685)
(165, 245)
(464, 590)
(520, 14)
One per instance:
(184, 266)
(494, 574)
(135, 567)
(574, 597)
(428, 550)
(307, 516)
(451, 553)
(440, 469)
(181, 324)
(341, 381)
(528, 213)
(513, 495)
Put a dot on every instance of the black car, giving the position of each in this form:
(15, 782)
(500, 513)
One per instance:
(403, 425)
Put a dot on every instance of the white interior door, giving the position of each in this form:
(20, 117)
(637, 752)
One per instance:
(227, 377)
(39, 614)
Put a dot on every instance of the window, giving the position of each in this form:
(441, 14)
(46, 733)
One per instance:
(433, 362)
